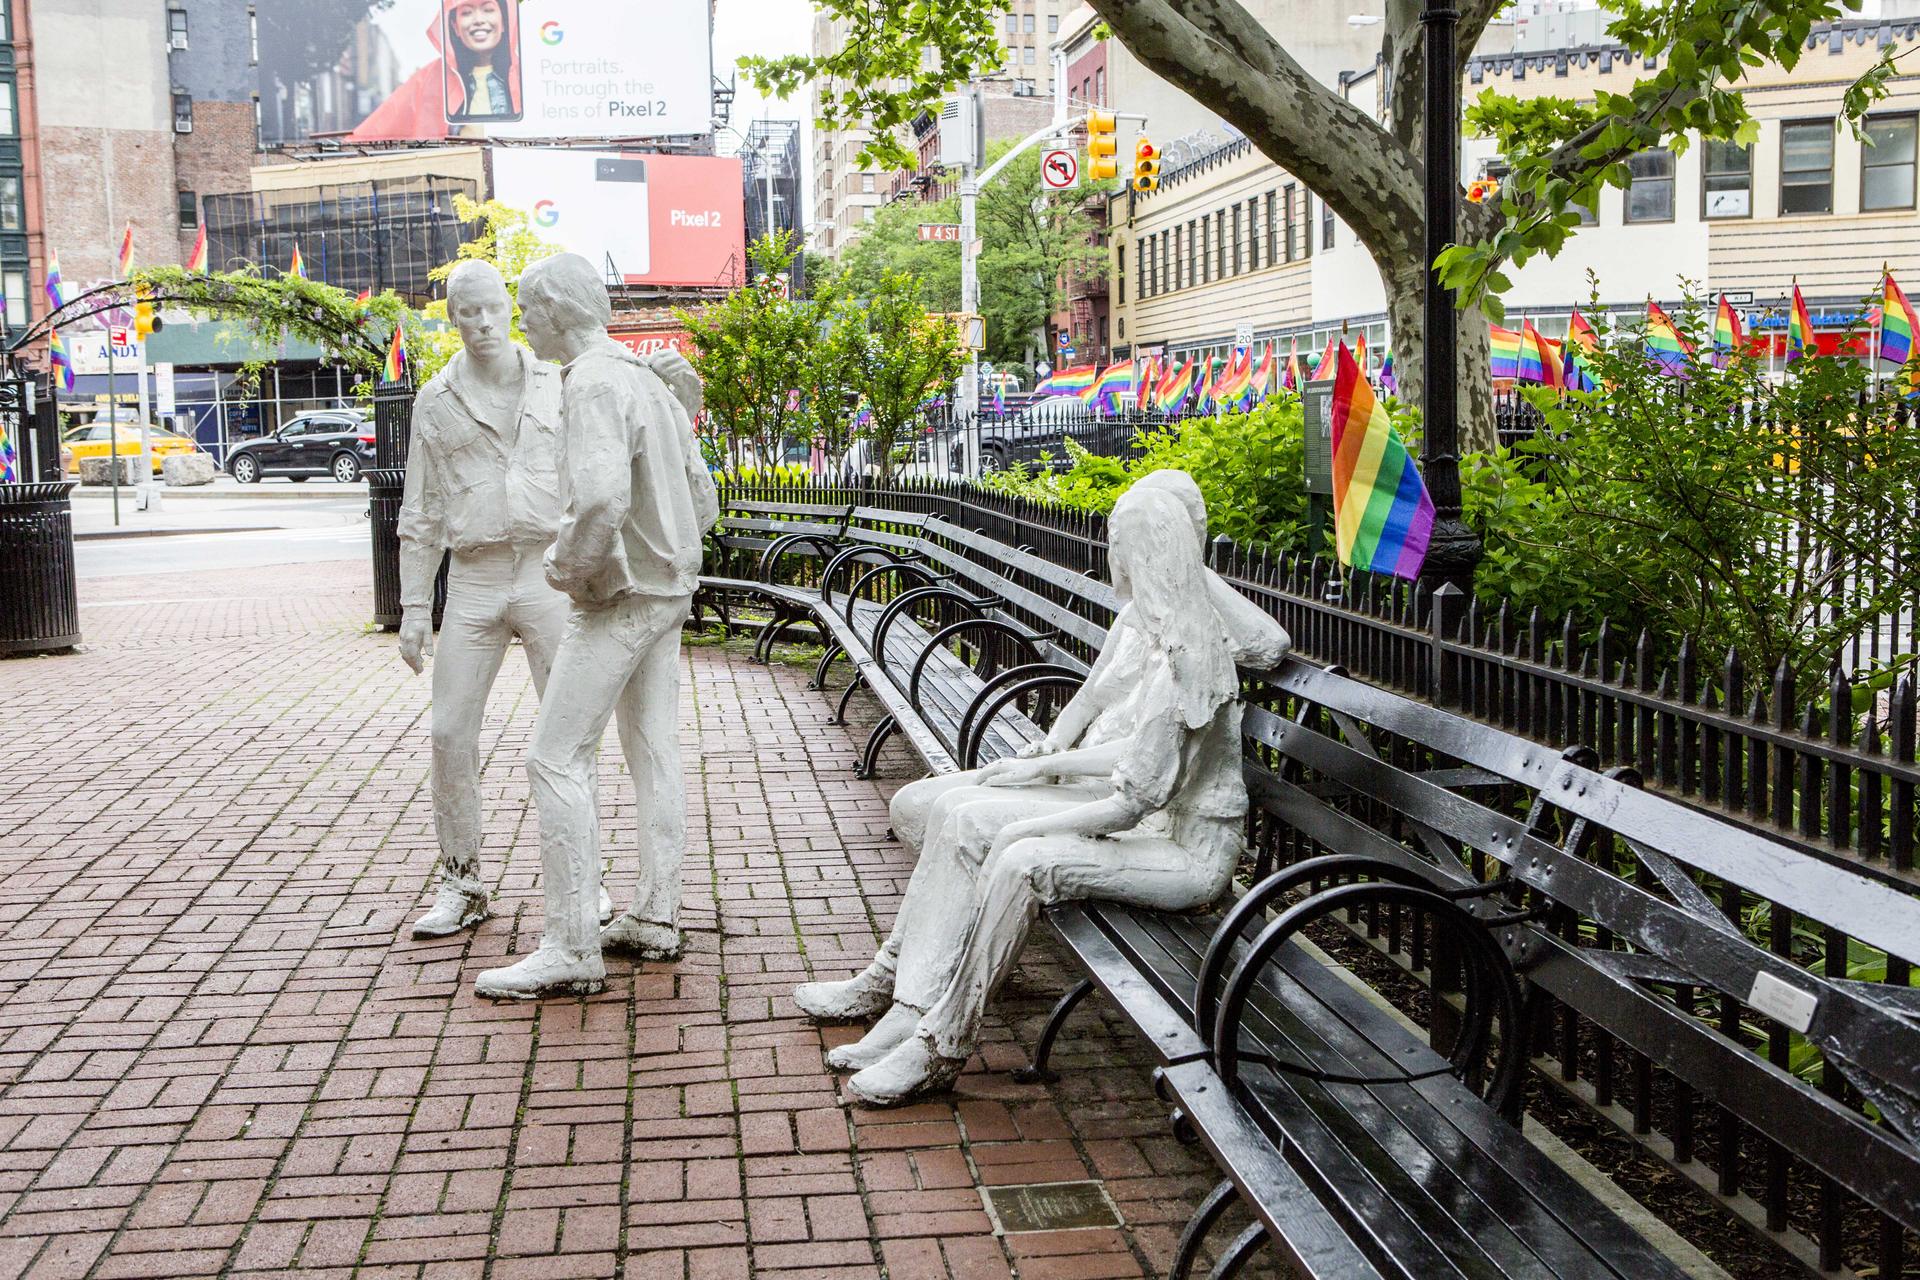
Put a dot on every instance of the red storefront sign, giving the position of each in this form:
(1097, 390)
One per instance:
(651, 342)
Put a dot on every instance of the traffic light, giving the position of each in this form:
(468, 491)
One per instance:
(1146, 166)
(1103, 163)
(145, 322)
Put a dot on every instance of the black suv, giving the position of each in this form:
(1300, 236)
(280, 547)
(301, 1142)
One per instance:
(331, 442)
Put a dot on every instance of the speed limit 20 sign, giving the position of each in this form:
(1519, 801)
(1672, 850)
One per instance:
(1059, 170)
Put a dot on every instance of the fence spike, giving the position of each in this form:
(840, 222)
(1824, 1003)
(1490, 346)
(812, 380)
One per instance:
(1643, 660)
(1839, 708)
(1568, 635)
(1473, 620)
(1870, 728)
(1733, 676)
(1901, 718)
(1783, 695)
(1603, 644)
(1685, 671)
(1757, 707)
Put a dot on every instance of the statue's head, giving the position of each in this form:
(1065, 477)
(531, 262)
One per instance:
(1181, 487)
(480, 308)
(1155, 547)
(564, 306)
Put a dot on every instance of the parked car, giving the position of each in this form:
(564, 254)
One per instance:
(331, 442)
(1042, 427)
(118, 430)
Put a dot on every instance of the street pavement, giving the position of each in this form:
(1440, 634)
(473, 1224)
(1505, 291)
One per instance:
(222, 1055)
(221, 531)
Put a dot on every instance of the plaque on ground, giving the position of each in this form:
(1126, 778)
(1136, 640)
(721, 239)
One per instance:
(1051, 1206)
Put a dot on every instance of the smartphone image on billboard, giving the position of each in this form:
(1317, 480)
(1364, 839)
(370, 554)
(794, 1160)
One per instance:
(620, 194)
(480, 49)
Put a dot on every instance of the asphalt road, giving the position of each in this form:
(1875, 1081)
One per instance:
(202, 536)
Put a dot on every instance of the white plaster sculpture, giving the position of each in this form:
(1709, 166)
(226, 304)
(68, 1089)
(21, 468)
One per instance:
(482, 482)
(636, 499)
(1135, 795)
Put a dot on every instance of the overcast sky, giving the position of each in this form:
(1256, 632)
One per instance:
(769, 28)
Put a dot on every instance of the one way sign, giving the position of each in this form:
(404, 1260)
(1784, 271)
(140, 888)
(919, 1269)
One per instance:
(1059, 170)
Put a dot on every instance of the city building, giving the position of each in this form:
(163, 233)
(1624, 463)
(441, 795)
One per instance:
(1231, 243)
(771, 151)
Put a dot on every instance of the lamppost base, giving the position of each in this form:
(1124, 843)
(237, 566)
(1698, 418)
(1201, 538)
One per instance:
(1452, 555)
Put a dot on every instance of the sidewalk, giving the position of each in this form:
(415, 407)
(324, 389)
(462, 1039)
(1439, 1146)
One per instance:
(221, 1055)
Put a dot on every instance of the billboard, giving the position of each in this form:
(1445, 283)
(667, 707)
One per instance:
(650, 219)
(427, 70)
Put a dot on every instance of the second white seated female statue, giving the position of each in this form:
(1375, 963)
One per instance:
(1135, 795)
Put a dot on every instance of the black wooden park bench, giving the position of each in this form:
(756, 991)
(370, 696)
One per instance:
(1505, 893)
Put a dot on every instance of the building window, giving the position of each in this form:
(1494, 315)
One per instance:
(866, 183)
(253, 35)
(16, 287)
(1193, 265)
(8, 125)
(1026, 24)
(1306, 222)
(1100, 85)
(1326, 225)
(1886, 166)
(1161, 286)
(1120, 270)
(1053, 22)
(182, 112)
(1806, 167)
(1013, 24)
(1288, 232)
(1727, 180)
(1220, 245)
(176, 28)
(1650, 193)
(1273, 228)
(189, 208)
(13, 210)
(1237, 263)
(6, 19)
(1027, 55)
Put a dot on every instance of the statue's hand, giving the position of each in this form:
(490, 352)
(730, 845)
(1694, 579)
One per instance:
(1009, 771)
(416, 639)
(1040, 747)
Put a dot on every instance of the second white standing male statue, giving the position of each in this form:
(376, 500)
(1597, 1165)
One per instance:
(636, 501)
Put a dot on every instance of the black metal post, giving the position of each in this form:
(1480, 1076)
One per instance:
(1455, 549)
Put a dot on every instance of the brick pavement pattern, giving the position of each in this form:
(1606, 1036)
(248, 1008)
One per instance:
(221, 1055)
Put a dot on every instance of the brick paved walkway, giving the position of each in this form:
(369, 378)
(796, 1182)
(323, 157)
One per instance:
(219, 1055)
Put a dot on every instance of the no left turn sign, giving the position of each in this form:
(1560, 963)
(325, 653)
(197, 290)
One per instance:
(1059, 170)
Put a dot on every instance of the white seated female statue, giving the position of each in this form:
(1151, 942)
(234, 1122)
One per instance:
(1135, 796)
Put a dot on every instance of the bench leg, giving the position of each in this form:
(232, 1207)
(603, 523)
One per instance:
(770, 634)
(826, 660)
(870, 758)
(1239, 1252)
(1187, 1251)
(840, 712)
(1043, 1048)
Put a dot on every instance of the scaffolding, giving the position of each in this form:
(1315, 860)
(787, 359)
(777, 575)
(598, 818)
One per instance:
(386, 233)
(770, 161)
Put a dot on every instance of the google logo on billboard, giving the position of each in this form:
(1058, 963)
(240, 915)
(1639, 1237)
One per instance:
(546, 213)
(550, 33)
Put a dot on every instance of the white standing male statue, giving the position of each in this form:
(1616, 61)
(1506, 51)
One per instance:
(482, 483)
(1135, 795)
(636, 500)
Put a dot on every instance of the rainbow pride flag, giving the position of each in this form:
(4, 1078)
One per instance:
(1539, 357)
(62, 362)
(9, 457)
(126, 253)
(1575, 373)
(1326, 367)
(1068, 382)
(1203, 399)
(396, 366)
(1897, 323)
(197, 260)
(1293, 377)
(1799, 329)
(1505, 345)
(1263, 377)
(1149, 377)
(1114, 381)
(1389, 380)
(1171, 395)
(1360, 356)
(56, 291)
(1231, 390)
(1728, 336)
(1382, 513)
(1665, 343)
(298, 267)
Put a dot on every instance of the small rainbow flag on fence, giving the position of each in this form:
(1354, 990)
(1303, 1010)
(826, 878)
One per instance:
(1389, 380)
(396, 366)
(1575, 373)
(1263, 377)
(1539, 358)
(56, 293)
(298, 267)
(1326, 368)
(1728, 336)
(1897, 323)
(1382, 513)
(1293, 377)
(1114, 381)
(9, 458)
(1171, 395)
(1203, 399)
(1069, 382)
(62, 362)
(1360, 355)
(1799, 328)
(197, 260)
(1504, 347)
(1665, 343)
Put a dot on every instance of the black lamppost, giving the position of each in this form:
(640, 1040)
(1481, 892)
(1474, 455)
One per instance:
(1455, 548)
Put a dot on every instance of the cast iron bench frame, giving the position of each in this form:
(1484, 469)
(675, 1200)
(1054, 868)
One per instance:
(1236, 1097)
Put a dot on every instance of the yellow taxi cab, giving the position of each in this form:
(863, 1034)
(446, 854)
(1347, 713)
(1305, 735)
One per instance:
(93, 440)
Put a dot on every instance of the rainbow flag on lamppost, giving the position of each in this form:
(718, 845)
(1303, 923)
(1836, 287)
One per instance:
(56, 290)
(395, 369)
(197, 260)
(62, 362)
(1382, 513)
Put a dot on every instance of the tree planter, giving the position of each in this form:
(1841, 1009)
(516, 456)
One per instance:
(39, 591)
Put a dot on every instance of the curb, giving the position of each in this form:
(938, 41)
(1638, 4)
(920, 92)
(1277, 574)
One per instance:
(109, 535)
(287, 492)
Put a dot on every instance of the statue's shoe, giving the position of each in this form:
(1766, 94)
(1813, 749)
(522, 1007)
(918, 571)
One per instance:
(606, 907)
(547, 972)
(894, 1027)
(864, 994)
(453, 909)
(630, 935)
(913, 1070)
